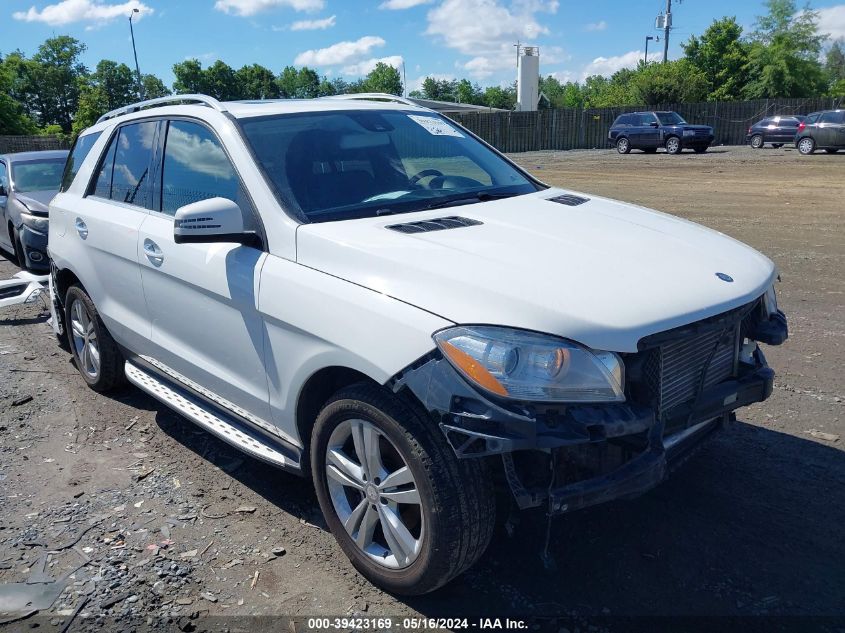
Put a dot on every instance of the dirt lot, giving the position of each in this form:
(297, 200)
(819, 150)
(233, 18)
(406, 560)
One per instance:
(153, 517)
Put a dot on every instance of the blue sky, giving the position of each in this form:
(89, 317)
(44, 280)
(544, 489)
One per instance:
(442, 38)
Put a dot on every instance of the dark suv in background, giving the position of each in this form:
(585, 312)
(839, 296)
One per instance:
(650, 130)
(821, 130)
(777, 130)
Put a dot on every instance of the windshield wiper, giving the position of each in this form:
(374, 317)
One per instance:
(478, 196)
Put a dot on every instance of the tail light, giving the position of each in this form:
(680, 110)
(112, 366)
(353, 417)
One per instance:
(802, 126)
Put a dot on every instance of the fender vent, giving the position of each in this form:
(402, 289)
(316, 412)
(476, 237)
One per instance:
(569, 199)
(438, 224)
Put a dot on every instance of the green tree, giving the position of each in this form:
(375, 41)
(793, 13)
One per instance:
(468, 92)
(784, 55)
(673, 82)
(153, 87)
(190, 77)
(221, 82)
(439, 89)
(13, 118)
(384, 78)
(834, 64)
(302, 83)
(722, 56)
(48, 84)
(257, 82)
(499, 97)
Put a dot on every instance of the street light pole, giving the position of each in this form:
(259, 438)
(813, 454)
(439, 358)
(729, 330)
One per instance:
(648, 38)
(135, 52)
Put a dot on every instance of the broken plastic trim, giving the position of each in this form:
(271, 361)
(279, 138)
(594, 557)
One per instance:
(24, 287)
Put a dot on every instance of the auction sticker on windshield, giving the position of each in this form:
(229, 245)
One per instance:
(435, 126)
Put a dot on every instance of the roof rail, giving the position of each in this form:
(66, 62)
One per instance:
(373, 96)
(192, 98)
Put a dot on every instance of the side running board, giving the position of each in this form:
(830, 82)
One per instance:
(213, 421)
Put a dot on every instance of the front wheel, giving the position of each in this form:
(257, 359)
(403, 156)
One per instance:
(95, 353)
(757, 141)
(623, 145)
(673, 145)
(806, 146)
(406, 511)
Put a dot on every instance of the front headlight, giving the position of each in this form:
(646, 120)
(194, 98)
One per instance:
(35, 222)
(770, 301)
(524, 365)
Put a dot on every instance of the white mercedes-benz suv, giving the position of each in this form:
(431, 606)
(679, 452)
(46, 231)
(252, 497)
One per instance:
(365, 293)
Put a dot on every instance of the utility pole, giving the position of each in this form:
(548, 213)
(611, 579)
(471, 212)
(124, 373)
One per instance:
(135, 52)
(666, 28)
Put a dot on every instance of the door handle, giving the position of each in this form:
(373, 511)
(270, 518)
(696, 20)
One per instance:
(153, 252)
(81, 228)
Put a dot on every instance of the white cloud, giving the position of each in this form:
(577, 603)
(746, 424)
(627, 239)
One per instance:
(832, 21)
(396, 5)
(251, 7)
(601, 25)
(608, 65)
(364, 67)
(69, 11)
(314, 25)
(486, 30)
(340, 53)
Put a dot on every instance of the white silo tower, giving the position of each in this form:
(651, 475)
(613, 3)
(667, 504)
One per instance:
(528, 79)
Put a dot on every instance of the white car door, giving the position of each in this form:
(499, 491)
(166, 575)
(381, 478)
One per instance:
(102, 231)
(202, 298)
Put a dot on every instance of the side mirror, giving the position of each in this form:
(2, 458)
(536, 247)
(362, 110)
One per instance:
(211, 220)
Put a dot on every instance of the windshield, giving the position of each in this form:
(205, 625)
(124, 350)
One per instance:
(38, 175)
(350, 164)
(670, 118)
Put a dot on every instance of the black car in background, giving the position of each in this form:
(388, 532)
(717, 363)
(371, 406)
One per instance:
(821, 130)
(777, 130)
(649, 131)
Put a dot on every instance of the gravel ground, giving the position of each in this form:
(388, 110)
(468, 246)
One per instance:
(135, 513)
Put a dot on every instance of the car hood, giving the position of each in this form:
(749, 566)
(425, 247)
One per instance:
(36, 201)
(603, 273)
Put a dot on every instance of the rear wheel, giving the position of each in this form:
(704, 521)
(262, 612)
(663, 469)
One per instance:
(95, 353)
(673, 145)
(757, 141)
(806, 146)
(623, 145)
(406, 511)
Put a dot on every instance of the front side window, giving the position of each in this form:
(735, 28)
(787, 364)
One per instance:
(670, 118)
(77, 155)
(340, 165)
(38, 175)
(124, 173)
(196, 168)
(3, 180)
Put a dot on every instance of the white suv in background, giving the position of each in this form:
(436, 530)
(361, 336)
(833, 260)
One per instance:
(365, 293)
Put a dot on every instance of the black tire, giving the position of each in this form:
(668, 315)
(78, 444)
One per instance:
(700, 150)
(806, 145)
(110, 373)
(673, 145)
(623, 145)
(757, 141)
(457, 506)
(777, 145)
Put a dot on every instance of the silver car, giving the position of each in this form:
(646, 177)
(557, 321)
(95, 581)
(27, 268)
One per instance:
(28, 181)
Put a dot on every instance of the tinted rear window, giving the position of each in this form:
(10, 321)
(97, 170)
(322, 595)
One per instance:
(77, 155)
(124, 172)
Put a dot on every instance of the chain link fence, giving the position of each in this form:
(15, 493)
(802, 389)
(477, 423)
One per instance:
(11, 144)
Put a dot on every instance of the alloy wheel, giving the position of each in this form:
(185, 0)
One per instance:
(622, 146)
(85, 342)
(673, 146)
(757, 142)
(806, 146)
(374, 494)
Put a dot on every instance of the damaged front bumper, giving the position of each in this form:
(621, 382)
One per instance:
(573, 456)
